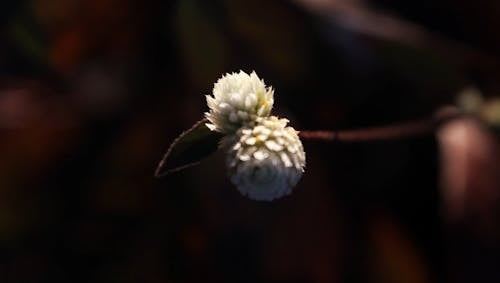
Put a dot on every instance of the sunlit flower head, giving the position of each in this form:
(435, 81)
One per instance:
(265, 161)
(238, 99)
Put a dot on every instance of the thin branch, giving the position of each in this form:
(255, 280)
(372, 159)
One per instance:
(396, 131)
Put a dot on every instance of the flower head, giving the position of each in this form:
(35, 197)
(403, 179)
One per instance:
(267, 160)
(238, 98)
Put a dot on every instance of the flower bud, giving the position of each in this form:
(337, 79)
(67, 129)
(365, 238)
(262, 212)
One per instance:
(266, 160)
(238, 99)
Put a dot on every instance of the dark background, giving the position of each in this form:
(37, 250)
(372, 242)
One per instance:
(92, 92)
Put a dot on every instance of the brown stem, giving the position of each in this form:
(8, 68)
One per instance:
(401, 130)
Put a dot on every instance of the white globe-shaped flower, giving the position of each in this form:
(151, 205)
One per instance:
(238, 98)
(267, 160)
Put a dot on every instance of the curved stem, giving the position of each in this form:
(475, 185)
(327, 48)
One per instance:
(401, 130)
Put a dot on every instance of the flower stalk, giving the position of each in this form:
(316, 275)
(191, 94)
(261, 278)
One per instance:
(396, 131)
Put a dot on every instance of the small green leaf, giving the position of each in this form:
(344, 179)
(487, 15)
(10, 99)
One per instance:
(189, 149)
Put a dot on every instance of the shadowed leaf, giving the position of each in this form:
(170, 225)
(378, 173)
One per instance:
(189, 149)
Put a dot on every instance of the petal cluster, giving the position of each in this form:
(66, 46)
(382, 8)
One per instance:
(266, 160)
(237, 100)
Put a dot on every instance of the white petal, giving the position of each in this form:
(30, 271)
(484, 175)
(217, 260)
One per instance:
(251, 141)
(261, 155)
(272, 145)
(212, 127)
(286, 160)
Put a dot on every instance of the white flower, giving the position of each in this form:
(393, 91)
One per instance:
(238, 98)
(267, 160)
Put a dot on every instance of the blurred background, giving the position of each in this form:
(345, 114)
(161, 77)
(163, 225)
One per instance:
(92, 92)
